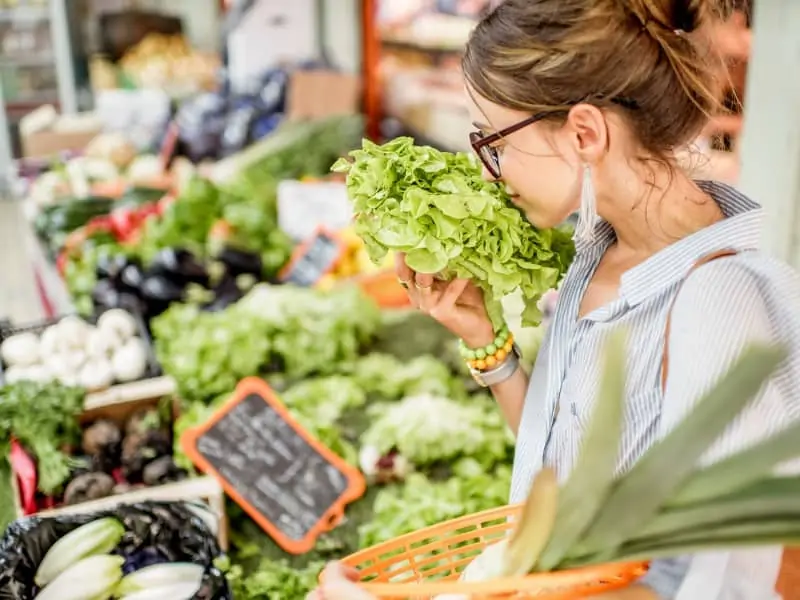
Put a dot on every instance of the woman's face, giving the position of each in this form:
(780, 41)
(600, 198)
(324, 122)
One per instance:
(538, 163)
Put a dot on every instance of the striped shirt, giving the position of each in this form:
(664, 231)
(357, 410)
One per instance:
(722, 306)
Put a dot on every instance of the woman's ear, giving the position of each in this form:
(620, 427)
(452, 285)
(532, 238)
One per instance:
(588, 132)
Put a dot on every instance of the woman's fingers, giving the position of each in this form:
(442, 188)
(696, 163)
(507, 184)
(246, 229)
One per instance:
(427, 291)
(423, 281)
(344, 590)
(339, 583)
(404, 273)
(447, 299)
(336, 571)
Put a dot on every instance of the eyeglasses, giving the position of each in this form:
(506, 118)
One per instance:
(482, 144)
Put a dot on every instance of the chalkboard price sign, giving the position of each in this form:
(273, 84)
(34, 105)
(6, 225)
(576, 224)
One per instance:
(287, 481)
(313, 259)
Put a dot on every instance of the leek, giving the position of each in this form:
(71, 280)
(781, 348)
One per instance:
(664, 506)
(637, 497)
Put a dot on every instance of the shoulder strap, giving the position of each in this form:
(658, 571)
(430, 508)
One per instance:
(700, 262)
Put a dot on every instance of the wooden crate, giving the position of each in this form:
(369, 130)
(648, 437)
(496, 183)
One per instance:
(118, 406)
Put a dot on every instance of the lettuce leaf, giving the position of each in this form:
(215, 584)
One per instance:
(435, 207)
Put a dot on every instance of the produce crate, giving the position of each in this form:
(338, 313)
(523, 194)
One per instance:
(205, 490)
(153, 374)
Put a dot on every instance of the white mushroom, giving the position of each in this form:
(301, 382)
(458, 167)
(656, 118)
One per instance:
(49, 342)
(73, 361)
(16, 374)
(39, 374)
(21, 350)
(101, 343)
(130, 361)
(119, 321)
(68, 379)
(72, 333)
(96, 375)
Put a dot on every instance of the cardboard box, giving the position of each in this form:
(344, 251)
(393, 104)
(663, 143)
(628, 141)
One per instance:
(43, 132)
(205, 490)
(46, 143)
(321, 94)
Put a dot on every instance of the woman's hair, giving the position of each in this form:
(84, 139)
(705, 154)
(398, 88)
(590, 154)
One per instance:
(647, 58)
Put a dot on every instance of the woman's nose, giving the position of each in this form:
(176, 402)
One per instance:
(487, 174)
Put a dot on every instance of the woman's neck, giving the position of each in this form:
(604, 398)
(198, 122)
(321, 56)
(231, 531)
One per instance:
(652, 217)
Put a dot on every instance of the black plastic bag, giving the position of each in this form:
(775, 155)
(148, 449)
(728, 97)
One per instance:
(173, 530)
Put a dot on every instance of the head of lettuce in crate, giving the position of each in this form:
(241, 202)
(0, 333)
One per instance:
(582, 106)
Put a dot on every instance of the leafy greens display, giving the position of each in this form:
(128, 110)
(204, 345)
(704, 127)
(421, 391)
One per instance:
(435, 207)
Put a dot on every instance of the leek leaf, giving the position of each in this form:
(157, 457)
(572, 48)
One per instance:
(593, 476)
(535, 526)
(665, 466)
(769, 498)
(741, 469)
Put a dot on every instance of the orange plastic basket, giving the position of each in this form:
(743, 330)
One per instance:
(428, 562)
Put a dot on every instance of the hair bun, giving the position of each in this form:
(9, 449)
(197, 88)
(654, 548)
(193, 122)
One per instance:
(686, 15)
(673, 15)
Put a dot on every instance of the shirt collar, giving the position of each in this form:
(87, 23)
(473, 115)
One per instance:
(739, 231)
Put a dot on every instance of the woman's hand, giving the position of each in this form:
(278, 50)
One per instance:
(457, 304)
(339, 583)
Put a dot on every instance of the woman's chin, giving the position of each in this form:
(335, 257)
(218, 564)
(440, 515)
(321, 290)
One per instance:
(537, 219)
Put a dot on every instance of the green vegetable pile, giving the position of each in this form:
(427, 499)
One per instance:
(435, 207)
(421, 501)
(428, 429)
(294, 331)
(348, 388)
(43, 418)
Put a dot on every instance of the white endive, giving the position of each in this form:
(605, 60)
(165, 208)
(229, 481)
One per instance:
(92, 578)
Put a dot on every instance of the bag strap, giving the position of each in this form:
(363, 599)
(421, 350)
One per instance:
(700, 262)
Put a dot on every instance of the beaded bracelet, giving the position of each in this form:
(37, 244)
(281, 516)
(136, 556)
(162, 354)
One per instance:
(491, 355)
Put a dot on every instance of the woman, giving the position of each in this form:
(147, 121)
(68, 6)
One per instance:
(582, 105)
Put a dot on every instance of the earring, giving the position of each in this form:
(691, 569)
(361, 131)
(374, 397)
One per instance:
(587, 216)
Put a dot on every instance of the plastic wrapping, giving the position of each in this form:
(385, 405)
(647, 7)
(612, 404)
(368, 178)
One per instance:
(155, 532)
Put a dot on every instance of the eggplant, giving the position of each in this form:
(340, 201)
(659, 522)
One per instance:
(89, 486)
(110, 265)
(106, 294)
(179, 266)
(131, 277)
(160, 289)
(225, 294)
(241, 262)
(158, 293)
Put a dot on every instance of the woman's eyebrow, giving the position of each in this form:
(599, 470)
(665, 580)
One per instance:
(482, 126)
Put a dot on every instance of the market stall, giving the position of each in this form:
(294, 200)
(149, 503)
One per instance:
(228, 294)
